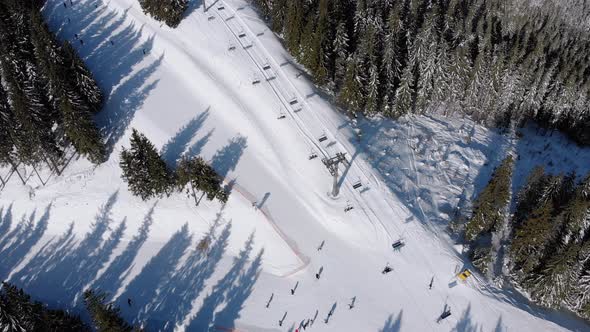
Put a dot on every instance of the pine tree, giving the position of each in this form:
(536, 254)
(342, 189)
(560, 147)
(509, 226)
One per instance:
(294, 26)
(404, 100)
(341, 50)
(202, 177)
(351, 94)
(490, 207)
(143, 169)
(170, 12)
(105, 316)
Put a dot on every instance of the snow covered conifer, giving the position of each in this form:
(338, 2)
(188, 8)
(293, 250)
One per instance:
(105, 316)
(170, 12)
(143, 169)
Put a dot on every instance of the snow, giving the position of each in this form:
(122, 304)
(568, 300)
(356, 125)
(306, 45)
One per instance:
(190, 94)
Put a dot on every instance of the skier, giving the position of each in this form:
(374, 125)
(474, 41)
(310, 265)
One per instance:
(431, 280)
(81, 42)
(294, 288)
(283, 319)
(270, 300)
(112, 42)
(319, 274)
(387, 269)
(321, 246)
(351, 305)
(129, 301)
(65, 6)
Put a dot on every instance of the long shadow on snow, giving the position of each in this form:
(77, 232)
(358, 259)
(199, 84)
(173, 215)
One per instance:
(192, 6)
(226, 159)
(111, 50)
(393, 325)
(157, 272)
(465, 323)
(233, 290)
(112, 278)
(175, 298)
(60, 271)
(176, 146)
(5, 223)
(17, 244)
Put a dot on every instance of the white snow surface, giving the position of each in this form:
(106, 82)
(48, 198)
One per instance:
(191, 91)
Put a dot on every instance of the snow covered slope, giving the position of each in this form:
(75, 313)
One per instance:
(191, 91)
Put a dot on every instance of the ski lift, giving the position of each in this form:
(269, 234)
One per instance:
(357, 185)
(323, 138)
(313, 155)
(397, 245)
(293, 101)
(446, 313)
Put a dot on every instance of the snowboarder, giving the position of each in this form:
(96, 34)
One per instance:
(431, 281)
(327, 320)
(129, 301)
(319, 274)
(143, 51)
(65, 5)
(81, 42)
(76, 35)
(351, 305)
(321, 246)
(294, 288)
(387, 269)
(112, 42)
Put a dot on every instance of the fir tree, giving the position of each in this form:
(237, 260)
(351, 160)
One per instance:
(202, 177)
(143, 169)
(170, 12)
(105, 316)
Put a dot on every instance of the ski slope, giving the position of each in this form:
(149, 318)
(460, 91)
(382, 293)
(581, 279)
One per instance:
(191, 91)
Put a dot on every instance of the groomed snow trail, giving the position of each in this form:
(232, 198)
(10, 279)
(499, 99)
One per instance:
(192, 93)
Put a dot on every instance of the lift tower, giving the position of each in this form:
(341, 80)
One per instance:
(332, 165)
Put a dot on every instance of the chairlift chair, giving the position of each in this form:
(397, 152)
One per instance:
(397, 245)
(357, 185)
(241, 34)
(221, 7)
(293, 101)
(281, 116)
(323, 138)
(266, 66)
(313, 155)
(255, 80)
(231, 47)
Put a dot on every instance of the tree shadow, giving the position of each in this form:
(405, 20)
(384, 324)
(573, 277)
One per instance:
(125, 100)
(158, 271)
(393, 325)
(5, 223)
(112, 49)
(233, 289)
(226, 159)
(192, 6)
(197, 147)
(175, 298)
(500, 326)
(177, 145)
(17, 244)
(465, 323)
(112, 278)
(61, 269)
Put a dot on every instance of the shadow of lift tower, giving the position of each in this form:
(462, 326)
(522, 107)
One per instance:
(332, 165)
